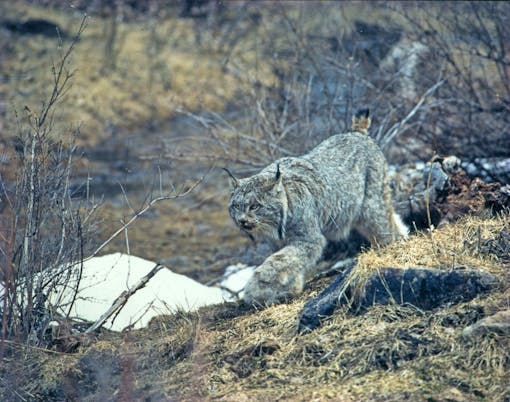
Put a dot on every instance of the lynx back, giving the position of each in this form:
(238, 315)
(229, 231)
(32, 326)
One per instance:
(299, 203)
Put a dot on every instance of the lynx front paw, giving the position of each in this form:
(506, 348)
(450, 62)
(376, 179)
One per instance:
(269, 286)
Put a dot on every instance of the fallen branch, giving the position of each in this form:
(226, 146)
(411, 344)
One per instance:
(121, 301)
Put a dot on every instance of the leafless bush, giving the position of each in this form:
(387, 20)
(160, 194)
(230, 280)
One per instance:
(46, 231)
(469, 41)
(311, 83)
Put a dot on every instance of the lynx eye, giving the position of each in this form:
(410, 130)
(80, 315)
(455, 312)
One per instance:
(254, 207)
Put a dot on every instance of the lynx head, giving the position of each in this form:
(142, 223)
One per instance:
(258, 205)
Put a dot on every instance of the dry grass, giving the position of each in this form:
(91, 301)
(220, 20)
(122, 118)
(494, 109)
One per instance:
(389, 353)
(458, 245)
(144, 88)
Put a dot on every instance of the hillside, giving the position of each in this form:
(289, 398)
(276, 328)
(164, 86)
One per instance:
(161, 95)
(232, 353)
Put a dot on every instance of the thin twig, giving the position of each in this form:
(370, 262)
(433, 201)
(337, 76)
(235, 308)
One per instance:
(395, 129)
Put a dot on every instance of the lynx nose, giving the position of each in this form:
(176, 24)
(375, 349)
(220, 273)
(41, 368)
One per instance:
(245, 224)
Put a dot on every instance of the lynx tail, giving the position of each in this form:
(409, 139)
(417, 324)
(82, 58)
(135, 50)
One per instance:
(361, 121)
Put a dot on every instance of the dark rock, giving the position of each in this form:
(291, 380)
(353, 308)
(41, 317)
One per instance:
(423, 288)
(35, 26)
(324, 304)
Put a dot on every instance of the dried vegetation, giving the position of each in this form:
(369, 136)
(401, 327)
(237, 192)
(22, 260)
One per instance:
(228, 352)
(231, 353)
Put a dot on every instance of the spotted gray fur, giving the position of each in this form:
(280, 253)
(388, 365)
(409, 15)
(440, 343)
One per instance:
(298, 203)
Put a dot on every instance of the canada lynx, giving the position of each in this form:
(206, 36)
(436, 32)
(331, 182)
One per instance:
(298, 203)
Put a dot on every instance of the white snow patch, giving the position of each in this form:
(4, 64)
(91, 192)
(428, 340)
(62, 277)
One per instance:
(235, 278)
(105, 278)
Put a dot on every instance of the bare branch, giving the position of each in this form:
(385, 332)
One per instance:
(121, 301)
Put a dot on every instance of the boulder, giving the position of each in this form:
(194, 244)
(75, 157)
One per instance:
(421, 287)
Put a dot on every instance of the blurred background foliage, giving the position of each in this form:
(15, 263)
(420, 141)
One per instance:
(162, 91)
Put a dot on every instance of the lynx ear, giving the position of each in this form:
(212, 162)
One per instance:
(278, 185)
(235, 182)
(278, 174)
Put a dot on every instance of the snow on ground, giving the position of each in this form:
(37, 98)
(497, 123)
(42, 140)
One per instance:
(236, 277)
(105, 278)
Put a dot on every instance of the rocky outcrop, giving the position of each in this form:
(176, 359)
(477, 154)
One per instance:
(423, 288)
(441, 191)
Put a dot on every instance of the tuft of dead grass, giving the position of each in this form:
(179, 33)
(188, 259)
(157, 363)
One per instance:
(457, 245)
(231, 353)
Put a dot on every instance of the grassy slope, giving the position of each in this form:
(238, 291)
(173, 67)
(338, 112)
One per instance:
(390, 353)
(232, 354)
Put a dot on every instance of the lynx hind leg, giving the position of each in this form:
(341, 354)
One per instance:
(380, 224)
(382, 227)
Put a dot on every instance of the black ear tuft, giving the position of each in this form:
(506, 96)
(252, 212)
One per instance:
(278, 174)
(235, 182)
(362, 113)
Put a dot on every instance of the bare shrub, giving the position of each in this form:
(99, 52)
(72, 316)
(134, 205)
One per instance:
(46, 231)
(300, 82)
(469, 41)
(49, 224)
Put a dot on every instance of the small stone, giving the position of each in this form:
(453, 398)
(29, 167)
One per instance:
(435, 177)
(451, 163)
(498, 324)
